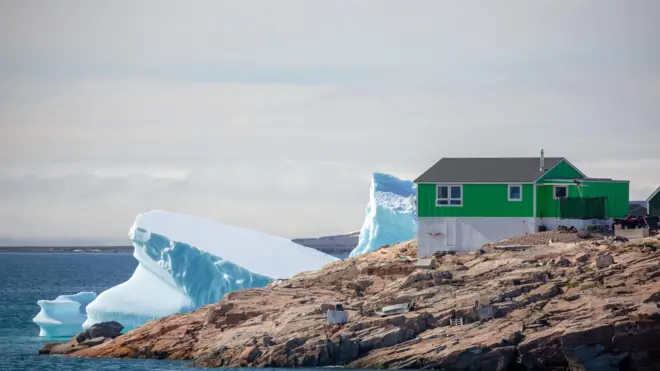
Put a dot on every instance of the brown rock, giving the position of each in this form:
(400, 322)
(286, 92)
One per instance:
(582, 257)
(46, 349)
(549, 318)
(562, 262)
(94, 342)
(250, 354)
(653, 298)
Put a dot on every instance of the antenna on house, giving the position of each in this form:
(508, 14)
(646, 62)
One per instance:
(542, 161)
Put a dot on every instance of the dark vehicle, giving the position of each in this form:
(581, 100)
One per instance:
(632, 222)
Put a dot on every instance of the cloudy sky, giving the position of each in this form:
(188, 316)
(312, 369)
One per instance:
(273, 115)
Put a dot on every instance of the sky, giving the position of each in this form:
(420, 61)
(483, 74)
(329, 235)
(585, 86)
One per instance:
(273, 115)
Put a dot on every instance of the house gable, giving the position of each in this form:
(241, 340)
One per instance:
(654, 203)
(562, 170)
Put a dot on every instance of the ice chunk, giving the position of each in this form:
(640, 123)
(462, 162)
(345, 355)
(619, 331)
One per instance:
(64, 316)
(391, 213)
(186, 262)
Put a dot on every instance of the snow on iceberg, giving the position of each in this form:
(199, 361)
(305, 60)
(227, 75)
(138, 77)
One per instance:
(391, 214)
(64, 316)
(186, 262)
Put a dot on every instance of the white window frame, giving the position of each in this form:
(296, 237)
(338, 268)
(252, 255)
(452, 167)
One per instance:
(508, 195)
(449, 198)
(554, 191)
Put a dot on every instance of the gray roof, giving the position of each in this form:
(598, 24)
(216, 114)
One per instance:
(487, 169)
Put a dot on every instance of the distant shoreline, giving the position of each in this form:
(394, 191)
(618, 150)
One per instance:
(67, 249)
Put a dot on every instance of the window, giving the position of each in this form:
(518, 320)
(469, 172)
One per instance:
(449, 195)
(561, 192)
(515, 192)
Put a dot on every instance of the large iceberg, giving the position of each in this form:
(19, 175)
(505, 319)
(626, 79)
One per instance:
(391, 213)
(186, 262)
(64, 316)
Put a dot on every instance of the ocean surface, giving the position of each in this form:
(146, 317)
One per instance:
(26, 278)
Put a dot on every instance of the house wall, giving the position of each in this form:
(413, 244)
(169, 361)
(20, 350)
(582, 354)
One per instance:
(479, 200)
(617, 193)
(467, 234)
(654, 205)
(553, 223)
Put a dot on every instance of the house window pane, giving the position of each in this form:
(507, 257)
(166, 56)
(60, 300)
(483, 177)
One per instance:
(514, 193)
(560, 192)
(450, 195)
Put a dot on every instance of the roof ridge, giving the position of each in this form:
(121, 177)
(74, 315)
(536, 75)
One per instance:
(501, 157)
(487, 169)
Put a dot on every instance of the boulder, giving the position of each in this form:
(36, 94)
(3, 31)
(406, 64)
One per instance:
(581, 257)
(108, 330)
(93, 336)
(604, 261)
(583, 233)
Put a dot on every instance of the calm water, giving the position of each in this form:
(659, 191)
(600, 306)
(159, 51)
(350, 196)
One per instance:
(26, 278)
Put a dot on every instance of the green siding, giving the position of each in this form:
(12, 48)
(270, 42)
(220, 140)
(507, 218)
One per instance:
(654, 205)
(617, 193)
(562, 171)
(479, 200)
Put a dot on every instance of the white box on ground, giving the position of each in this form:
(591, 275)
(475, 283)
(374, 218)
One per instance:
(337, 317)
(425, 263)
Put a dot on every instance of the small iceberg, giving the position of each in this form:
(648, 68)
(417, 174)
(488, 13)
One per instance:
(64, 316)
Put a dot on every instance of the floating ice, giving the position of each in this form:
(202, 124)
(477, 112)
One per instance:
(64, 316)
(391, 213)
(186, 262)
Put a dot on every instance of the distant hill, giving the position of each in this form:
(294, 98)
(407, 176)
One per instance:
(338, 244)
(637, 208)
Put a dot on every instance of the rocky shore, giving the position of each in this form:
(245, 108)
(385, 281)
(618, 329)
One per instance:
(591, 305)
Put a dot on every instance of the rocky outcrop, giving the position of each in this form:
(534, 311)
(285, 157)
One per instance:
(549, 307)
(93, 336)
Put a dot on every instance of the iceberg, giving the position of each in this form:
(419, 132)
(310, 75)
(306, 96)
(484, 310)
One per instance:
(391, 214)
(186, 262)
(64, 316)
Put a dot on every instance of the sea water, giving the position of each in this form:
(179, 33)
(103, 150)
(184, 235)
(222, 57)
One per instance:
(26, 278)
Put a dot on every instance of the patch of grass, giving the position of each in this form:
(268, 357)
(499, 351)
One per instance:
(572, 285)
(590, 285)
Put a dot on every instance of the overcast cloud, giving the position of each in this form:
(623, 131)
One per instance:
(273, 115)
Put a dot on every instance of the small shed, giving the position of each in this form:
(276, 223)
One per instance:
(654, 203)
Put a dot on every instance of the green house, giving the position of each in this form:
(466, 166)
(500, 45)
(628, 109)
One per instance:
(653, 203)
(464, 203)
